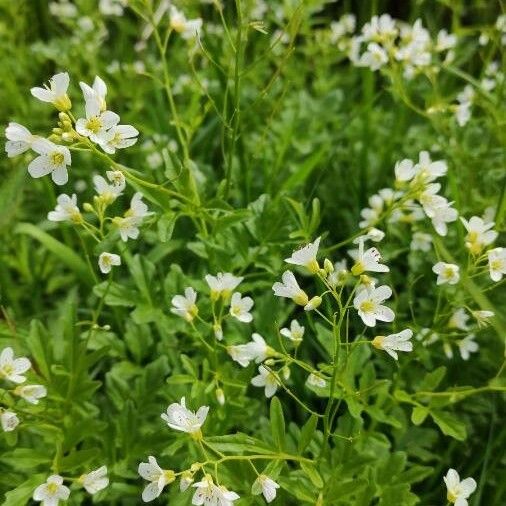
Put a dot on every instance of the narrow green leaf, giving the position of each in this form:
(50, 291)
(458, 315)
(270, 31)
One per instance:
(277, 423)
(307, 432)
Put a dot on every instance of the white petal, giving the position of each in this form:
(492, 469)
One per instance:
(39, 167)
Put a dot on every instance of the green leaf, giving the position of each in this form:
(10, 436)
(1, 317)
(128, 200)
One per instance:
(10, 194)
(312, 474)
(433, 379)
(22, 494)
(419, 414)
(449, 424)
(307, 432)
(277, 423)
(64, 253)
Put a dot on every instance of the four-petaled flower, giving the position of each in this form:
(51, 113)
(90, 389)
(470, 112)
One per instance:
(53, 159)
(185, 305)
(66, 209)
(295, 333)
(240, 307)
(497, 263)
(56, 92)
(394, 342)
(223, 284)
(51, 492)
(31, 393)
(368, 304)
(446, 273)
(267, 379)
(306, 257)
(368, 261)
(458, 491)
(94, 481)
(11, 368)
(179, 417)
(19, 139)
(157, 477)
(290, 289)
(266, 486)
(256, 350)
(107, 260)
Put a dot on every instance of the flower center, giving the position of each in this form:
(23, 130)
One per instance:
(52, 488)
(94, 124)
(448, 273)
(57, 158)
(367, 306)
(496, 264)
(7, 369)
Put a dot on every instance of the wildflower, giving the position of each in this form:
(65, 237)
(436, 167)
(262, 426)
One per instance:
(129, 225)
(427, 170)
(53, 159)
(117, 178)
(458, 491)
(295, 333)
(112, 7)
(208, 493)
(266, 486)
(218, 331)
(266, 379)
(482, 317)
(479, 234)
(66, 209)
(157, 477)
(31, 393)
(447, 273)
(107, 260)
(107, 192)
(19, 139)
(316, 381)
(256, 350)
(374, 58)
(338, 275)
(373, 234)
(51, 492)
(445, 41)
(223, 284)
(368, 304)
(96, 93)
(421, 242)
(9, 420)
(394, 342)
(405, 170)
(185, 481)
(119, 137)
(97, 123)
(467, 346)
(368, 261)
(380, 28)
(442, 215)
(179, 417)
(220, 396)
(94, 481)
(56, 92)
(185, 306)
(306, 257)
(240, 307)
(497, 263)
(458, 320)
(290, 289)
(188, 28)
(11, 368)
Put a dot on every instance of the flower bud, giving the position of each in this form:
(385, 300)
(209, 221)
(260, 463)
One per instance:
(220, 396)
(328, 266)
(88, 207)
(313, 303)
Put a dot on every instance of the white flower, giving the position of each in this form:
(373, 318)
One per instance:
(442, 215)
(368, 261)
(459, 319)
(482, 317)
(53, 159)
(306, 257)
(380, 28)
(9, 420)
(427, 170)
(179, 417)
(97, 123)
(338, 275)
(157, 477)
(185, 481)
(185, 305)
(209, 494)
(97, 92)
(394, 342)
(188, 28)
(373, 234)
(316, 381)
(313, 303)
(256, 350)
(266, 379)
(56, 92)
(107, 260)
(266, 486)
(109, 192)
(31, 393)
(405, 170)
(66, 209)
(374, 58)
(467, 346)
(129, 225)
(11, 368)
(240, 307)
(445, 41)
(94, 481)
(223, 284)
(421, 242)
(51, 492)
(463, 113)
(479, 234)
(290, 289)
(295, 333)
(497, 263)
(19, 139)
(119, 137)
(368, 304)
(446, 273)
(458, 491)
